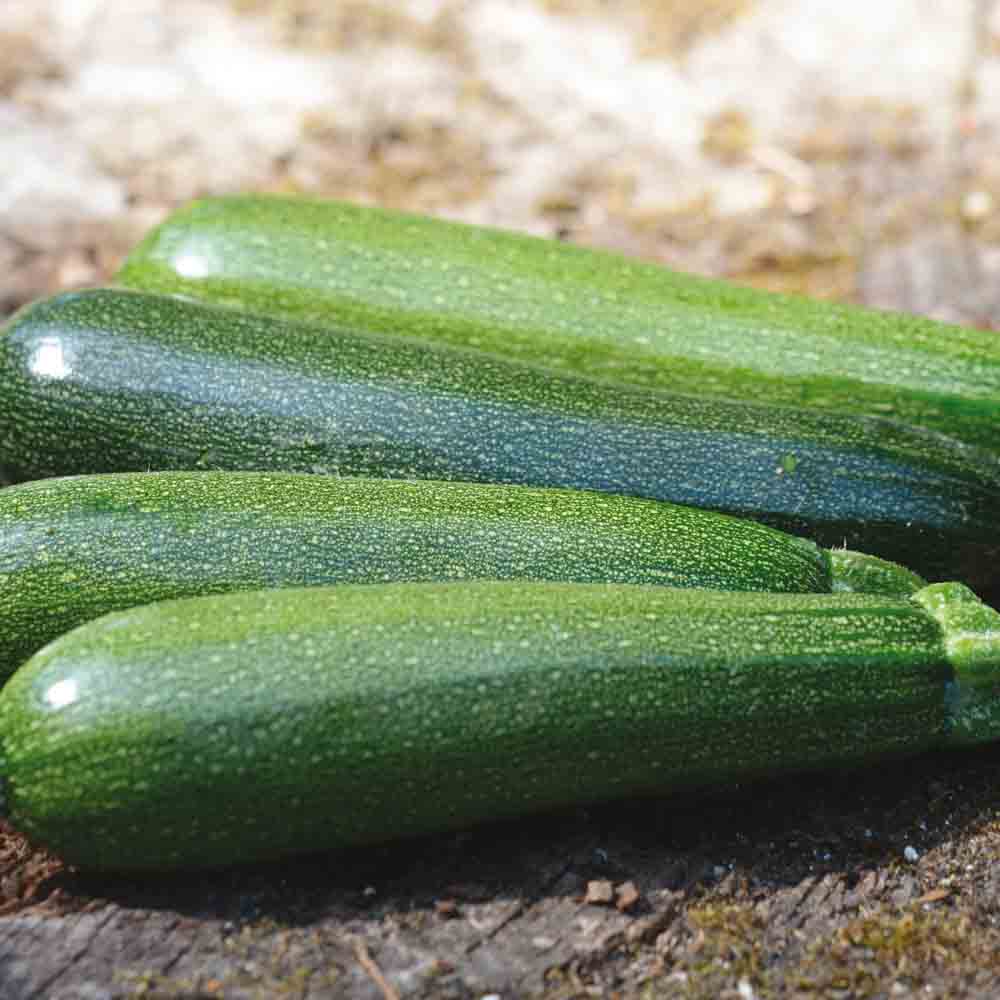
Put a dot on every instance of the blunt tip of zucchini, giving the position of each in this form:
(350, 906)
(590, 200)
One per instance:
(971, 632)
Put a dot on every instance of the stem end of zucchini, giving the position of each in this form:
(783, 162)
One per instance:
(859, 573)
(971, 634)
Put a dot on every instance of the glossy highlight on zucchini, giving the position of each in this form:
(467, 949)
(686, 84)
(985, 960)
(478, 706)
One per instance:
(232, 728)
(112, 381)
(74, 548)
(583, 310)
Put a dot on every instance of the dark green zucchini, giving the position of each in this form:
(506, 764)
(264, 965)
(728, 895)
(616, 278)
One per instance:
(74, 548)
(223, 729)
(584, 310)
(106, 381)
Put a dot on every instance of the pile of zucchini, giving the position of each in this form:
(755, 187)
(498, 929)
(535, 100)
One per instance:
(333, 525)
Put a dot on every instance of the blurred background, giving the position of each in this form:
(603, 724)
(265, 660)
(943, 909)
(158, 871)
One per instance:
(843, 150)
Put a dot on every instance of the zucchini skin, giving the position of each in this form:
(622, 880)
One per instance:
(72, 549)
(238, 727)
(110, 381)
(584, 310)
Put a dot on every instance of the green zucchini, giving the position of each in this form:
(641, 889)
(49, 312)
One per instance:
(223, 729)
(74, 548)
(110, 381)
(585, 310)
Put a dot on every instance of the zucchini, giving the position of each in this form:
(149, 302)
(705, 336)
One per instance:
(585, 310)
(72, 549)
(112, 381)
(232, 728)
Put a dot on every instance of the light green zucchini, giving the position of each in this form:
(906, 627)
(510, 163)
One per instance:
(580, 309)
(113, 381)
(74, 548)
(239, 727)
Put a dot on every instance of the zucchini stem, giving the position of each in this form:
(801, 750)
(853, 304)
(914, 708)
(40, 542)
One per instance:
(971, 636)
(860, 573)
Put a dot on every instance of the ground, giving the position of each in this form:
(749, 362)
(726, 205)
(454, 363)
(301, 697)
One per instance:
(841, 150)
